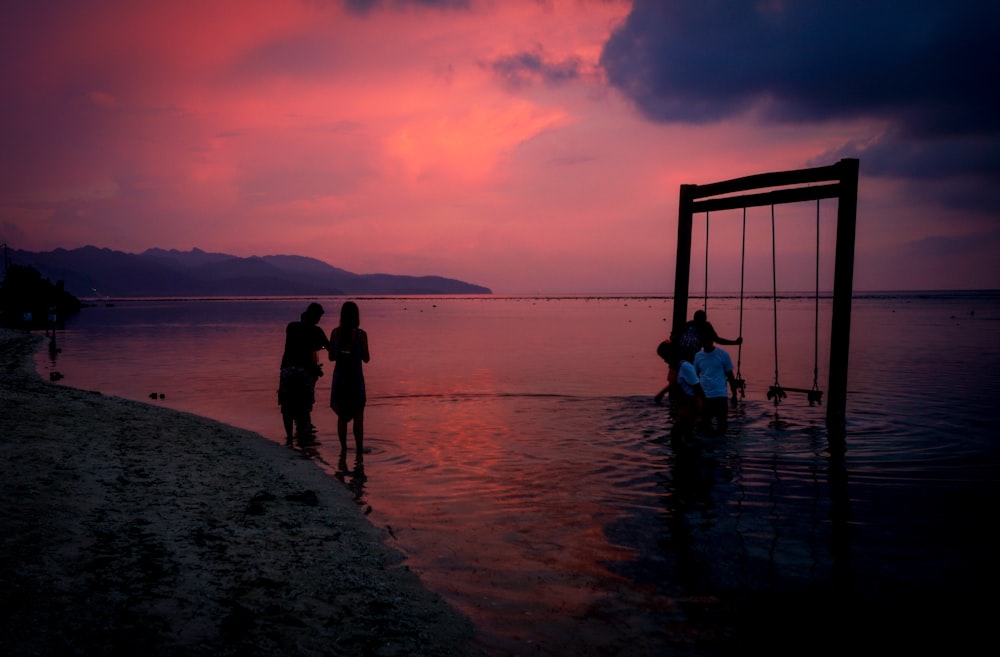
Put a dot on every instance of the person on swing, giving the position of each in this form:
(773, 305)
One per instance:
(715, 370)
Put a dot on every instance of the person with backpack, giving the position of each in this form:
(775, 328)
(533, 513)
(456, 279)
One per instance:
(691, 337)
(300, 369)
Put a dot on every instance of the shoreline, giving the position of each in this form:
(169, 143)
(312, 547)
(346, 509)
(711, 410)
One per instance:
(131, 528)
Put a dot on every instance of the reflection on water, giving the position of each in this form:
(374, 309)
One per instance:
(518, 461)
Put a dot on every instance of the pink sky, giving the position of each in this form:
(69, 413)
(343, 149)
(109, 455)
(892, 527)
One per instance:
(484, 141)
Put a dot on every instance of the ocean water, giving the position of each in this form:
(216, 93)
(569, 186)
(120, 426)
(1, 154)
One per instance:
(518, 460)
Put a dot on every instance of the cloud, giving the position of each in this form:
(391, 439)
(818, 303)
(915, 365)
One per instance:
(922, 69)
(366, 6)
(525, 68)
(481, 139)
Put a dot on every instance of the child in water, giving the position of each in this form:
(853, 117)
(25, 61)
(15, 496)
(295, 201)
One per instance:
(683, 388)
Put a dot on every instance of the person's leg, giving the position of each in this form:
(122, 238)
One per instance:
(307, 428)
(718, 411)
(306, 434)
(286, 404)
(359, 433)
(684, 418)
(342, 432)
(705, 417)
(288, 420)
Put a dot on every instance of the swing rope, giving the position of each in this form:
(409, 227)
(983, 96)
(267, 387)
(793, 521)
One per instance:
(740, 383)
(816, 320)
(705, 301)
(776, 391)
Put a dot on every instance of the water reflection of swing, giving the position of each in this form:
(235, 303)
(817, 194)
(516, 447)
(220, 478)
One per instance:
(838, 181)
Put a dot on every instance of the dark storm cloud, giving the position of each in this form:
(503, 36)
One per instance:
(522, 69)
(925, 68)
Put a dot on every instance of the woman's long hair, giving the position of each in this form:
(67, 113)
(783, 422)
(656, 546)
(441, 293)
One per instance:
(350, 316)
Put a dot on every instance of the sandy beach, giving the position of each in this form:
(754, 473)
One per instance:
(133, 529)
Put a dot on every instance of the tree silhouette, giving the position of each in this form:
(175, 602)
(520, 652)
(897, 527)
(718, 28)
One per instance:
(29, 301)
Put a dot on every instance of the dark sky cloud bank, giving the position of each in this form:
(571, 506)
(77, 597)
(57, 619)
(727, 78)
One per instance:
(925, 69)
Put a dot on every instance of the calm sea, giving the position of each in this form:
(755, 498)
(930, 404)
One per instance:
(519, 462)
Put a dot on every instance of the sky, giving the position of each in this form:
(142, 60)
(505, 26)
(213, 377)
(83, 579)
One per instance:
(529, 146)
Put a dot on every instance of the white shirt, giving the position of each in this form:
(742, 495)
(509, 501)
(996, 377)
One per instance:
(712, 367)
(687, 378)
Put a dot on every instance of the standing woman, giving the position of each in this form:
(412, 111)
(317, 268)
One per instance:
(349, 349)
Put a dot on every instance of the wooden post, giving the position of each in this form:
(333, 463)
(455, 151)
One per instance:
(682, 277)
(843, 291)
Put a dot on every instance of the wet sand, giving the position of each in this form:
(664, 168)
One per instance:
(133, 529)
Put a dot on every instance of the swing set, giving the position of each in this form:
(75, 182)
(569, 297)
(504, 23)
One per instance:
(839, 181)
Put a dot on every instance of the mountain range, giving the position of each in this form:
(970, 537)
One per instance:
(95, 272)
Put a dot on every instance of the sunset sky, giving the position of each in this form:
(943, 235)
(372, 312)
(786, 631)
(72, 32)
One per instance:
(527, 146)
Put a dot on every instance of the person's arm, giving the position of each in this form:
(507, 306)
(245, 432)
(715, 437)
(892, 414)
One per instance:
(733, 385)
(331, 352)
(721, 340)
(363, 341)
(323, 345)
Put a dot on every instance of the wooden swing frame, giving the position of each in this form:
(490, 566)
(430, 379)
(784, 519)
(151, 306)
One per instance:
(839, 181)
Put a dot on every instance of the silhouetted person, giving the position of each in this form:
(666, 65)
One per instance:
(667, 351)
(691, 338)
(715, 370)
(300, 370)
(687, 398)
(349, 350)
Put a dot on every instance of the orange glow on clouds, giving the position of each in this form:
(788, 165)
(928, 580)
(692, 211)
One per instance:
(480, 143)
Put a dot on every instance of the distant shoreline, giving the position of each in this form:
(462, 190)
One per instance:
(878, 294)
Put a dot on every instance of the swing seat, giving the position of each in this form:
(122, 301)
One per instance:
(779, 392)
(741, 386)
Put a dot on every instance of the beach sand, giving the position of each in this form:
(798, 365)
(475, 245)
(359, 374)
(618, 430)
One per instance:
(132, 529)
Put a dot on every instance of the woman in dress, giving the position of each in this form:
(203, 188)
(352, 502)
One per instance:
(349, 350)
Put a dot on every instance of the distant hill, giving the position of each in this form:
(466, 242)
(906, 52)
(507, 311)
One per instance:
(90, 271)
